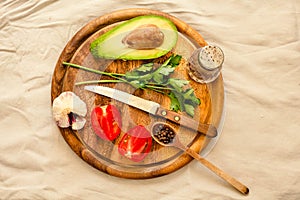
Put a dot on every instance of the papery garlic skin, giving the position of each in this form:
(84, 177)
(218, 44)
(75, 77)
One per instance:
(65, 104)
(79, 123)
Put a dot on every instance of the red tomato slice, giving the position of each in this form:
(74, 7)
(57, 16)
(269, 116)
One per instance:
(136, 143)
(106, 122)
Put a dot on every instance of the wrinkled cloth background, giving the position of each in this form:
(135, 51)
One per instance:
(260, 141)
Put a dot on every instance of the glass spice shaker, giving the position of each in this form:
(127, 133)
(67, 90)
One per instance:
(205, 64)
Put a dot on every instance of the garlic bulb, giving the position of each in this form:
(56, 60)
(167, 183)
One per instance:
(69, 110)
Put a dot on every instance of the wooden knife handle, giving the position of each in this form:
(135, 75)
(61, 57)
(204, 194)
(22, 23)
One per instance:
(206, 129)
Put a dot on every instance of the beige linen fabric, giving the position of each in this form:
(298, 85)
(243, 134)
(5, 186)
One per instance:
(260, 142)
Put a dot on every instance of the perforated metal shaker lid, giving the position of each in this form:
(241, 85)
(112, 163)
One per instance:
(211, 57)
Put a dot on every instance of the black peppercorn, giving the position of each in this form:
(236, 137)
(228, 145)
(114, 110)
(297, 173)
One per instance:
(163, 133)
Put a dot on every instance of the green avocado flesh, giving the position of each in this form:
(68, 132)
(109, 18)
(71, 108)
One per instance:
(110, 45)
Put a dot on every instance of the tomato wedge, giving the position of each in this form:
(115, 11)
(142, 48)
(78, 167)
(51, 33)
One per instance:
(136, 143)
(106, 122)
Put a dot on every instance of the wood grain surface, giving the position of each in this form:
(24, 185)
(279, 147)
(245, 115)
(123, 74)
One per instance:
(103, 155)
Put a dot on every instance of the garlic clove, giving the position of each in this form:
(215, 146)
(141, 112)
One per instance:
(68, 110)
(78, 123)
(62, 121)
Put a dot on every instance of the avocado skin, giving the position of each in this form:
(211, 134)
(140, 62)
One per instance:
(109, 45)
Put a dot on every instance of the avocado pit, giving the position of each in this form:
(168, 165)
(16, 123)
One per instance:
(147, 36)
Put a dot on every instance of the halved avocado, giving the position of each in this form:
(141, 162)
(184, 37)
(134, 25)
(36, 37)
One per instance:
(111, 44)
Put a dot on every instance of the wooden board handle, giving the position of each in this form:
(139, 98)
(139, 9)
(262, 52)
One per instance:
(206, 129)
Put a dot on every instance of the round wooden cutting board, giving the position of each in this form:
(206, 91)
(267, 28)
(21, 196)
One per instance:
(104, 155)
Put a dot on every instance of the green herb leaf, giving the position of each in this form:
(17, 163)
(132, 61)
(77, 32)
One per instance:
(160, 75)
(189, 96)
(136, 74)
(177, 84)
(175, 104)
(158, 78)
(145, 67)
(184, 101)
(166, 71)
(175, 60)
(189, 109)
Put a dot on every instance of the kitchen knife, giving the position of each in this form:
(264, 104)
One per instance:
(154, 109)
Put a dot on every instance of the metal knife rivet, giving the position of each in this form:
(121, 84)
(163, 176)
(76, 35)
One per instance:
(163, 113)
(177, 118)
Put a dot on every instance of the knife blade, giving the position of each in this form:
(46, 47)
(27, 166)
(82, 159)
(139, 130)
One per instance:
(153, 108)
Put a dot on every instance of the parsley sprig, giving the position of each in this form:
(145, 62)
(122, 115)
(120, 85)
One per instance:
(156, 78)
